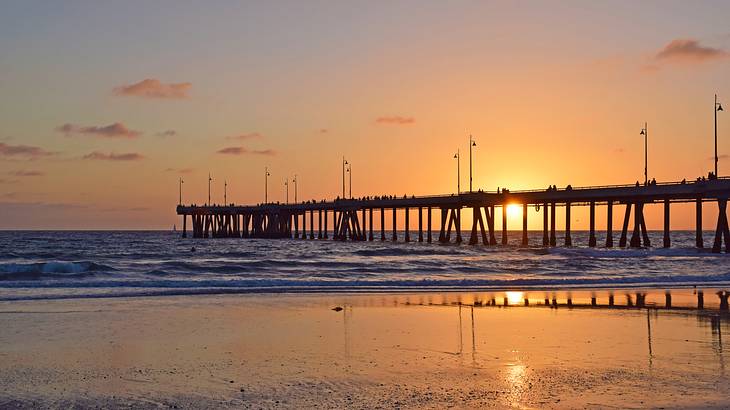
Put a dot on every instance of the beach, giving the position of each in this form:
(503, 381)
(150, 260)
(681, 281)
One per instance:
(410, 350)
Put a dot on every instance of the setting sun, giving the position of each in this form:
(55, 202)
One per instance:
(513, 210)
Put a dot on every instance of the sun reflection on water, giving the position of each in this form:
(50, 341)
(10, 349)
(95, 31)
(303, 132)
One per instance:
(515, 379)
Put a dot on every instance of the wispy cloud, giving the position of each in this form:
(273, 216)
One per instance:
(23, 151)
(116, 130)
(243, 151)
(166, 133)
(323, 130)
(689, 51)
(130, 209)
(131, 156)
(180, 170)
(24, 173)
(154, 88)
(395, 120)
(44, 205)
(245, 136)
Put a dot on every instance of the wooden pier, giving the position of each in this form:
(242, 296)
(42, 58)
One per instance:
(352, 219)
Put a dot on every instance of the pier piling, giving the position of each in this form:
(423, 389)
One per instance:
(553, 238)
(568, 239)
(428, 235)
(370, 214)
(406, 227)
(700, 243)
(545, 237)
(504, 224)
(420, 224)
(592, 225)
(524, 225)
(667, 239)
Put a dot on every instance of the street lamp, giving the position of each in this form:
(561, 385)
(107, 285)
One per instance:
(225, 192)
(349, 171)
(286, 184)
(472, 143)
(266, 185)
(457, 157)
(180, 200)
(718, 107)
(209, 179)
(645, 133)
(343, 176)
(295, 188)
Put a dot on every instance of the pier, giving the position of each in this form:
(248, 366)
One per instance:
(352, 219)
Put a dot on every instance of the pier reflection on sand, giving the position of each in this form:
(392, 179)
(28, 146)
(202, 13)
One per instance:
(380, 350)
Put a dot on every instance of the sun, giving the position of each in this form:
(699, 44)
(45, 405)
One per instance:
(513, 210)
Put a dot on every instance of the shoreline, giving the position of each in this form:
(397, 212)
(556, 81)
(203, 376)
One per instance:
(418, 350)
(708, 288)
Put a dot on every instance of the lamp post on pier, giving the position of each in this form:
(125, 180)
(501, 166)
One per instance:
(472, 143)
(718, 107)
(349, 171)
(266, 185)
(180, 191)
(225, 193)
(209, 179)
(645, 133)
(295, 188)
(286, 184)
(457, 157)
(344, 162)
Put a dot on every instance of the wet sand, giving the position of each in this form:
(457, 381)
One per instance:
(379, 351)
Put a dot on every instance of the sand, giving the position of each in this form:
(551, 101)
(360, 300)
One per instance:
(379, 351)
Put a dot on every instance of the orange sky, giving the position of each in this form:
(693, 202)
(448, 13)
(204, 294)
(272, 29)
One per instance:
(103, 108)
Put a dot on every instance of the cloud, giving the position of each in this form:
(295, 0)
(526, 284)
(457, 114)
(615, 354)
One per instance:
(132, 209)
(242, 151)
(26, 151)
(153, 88)
(395, 120)
(323, 130)
(42, 205)
(8, 181)
(269, 152)
(167, 133)
(23, 173)
(116, 130)
(131, 156)
(180, 170)
(689, 51)
(247, 136)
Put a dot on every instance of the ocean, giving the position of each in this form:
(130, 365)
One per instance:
(66, 264)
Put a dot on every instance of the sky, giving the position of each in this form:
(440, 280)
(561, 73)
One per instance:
(105, 105)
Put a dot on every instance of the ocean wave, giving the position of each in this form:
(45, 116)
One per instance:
(107, 262)
(403, 251)
(19, 271)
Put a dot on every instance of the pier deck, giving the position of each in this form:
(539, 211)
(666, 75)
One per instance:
(353, 218)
